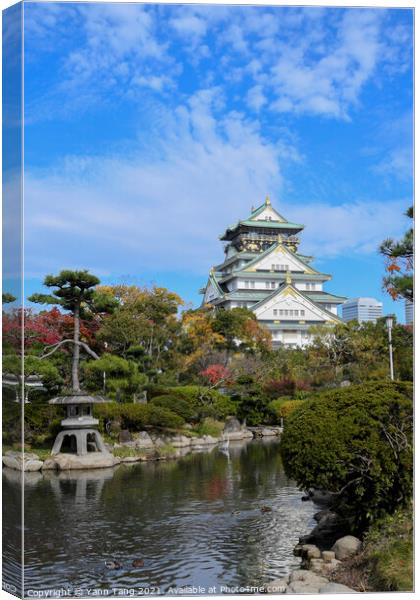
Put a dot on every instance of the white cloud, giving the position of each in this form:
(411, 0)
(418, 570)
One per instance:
(138, 214)
(349, 228)
(141, 214)
(330, 80)
(255, 98)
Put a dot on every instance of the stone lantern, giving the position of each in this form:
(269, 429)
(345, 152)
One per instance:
(79, 444)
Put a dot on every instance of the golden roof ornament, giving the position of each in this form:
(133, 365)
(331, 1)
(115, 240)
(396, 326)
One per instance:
(288, 277)
(267, 201)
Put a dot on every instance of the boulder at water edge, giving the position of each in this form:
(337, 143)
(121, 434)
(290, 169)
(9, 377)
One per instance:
(346, 546)
(20, 461)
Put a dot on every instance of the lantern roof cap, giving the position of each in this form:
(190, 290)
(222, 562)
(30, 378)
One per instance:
(78, 398)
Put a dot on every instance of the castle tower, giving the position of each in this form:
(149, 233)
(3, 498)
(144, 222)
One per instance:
(264, 271)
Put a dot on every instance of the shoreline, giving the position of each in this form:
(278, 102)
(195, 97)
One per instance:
(143, 447)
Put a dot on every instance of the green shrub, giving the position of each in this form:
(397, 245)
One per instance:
(357, 442)
(255, 410)
(138, 416)
(202, 402)
(181, 407)
(282, 408)
(159, 416)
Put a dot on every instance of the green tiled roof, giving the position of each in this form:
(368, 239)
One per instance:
(325, 297)
(270, 224)
(276, 275)
(238, 256)
(269, 250)
(263, 225)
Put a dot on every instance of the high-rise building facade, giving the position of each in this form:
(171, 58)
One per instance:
(409, 312)
(264, 271)
(362, 309)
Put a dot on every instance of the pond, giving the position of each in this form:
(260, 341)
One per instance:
(215, 519)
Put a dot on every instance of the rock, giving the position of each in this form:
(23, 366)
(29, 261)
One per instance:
(20, 461)
(114, 426)
(346, 546)
(310, 551)
(49, 464)
(319, 566)
(232, 425)
(328, 555)
(180, 441)
(205, 440)
(124, 436)
(305, 582)
(243, 434)
(143, 440)
(278, 586)
(307, 577)
(321, 497)
(336, 588)
(330, 527)
(93, 460)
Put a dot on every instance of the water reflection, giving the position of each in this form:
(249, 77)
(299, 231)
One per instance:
(194, 521)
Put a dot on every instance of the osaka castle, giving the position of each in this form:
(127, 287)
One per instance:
(264, 271)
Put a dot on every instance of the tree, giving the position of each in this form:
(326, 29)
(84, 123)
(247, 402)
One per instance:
(399, 257)
(74, 291)
(114, 374)
(7, 298)
(144, 326)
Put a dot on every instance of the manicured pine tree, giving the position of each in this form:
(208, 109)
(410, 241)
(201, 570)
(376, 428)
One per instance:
(75, 292)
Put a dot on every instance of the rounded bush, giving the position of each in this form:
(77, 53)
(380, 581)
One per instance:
(357, 442)
(177, 405)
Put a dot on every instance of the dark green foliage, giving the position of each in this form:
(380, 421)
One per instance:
(42, 421)
(181, 407)
(73, 288)
(122, 377)
(7, 298)
(138, 416)
(203, 402)
(357, 442)
(255, 410)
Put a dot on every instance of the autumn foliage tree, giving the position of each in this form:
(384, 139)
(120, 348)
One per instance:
(399, 257)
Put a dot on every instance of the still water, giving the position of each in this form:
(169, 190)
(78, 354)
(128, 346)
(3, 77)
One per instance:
(194, 521)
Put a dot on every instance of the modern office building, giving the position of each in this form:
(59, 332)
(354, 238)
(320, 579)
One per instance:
(362, 309)
(263, 271)
(409, 312)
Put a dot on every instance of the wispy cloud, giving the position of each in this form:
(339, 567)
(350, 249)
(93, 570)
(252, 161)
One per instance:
(153, 214)
(301, 60)
(166, 213)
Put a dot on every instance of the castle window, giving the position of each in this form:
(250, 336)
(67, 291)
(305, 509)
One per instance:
(267, 285)
(273, 285)
(296, 313)
(275, 312)
(253, 284)
(302, 313)
(247, 284)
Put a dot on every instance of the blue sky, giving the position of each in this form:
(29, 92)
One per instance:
(150, 128)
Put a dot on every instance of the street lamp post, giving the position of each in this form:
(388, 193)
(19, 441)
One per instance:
(389, 324)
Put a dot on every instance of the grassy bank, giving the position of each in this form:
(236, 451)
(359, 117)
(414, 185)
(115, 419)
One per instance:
(386, 561)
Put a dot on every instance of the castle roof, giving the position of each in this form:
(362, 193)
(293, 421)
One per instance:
(263, 217)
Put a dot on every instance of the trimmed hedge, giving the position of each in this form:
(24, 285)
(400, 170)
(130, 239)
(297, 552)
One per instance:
(357, 442)
(138, 416)
(202, 402)
(179, 406)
